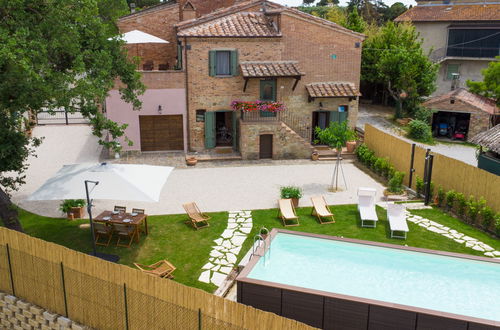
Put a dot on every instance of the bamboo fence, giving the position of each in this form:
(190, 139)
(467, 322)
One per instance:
(447, 172)
(105, 295)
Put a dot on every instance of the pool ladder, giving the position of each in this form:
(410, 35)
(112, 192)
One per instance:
(260, 239)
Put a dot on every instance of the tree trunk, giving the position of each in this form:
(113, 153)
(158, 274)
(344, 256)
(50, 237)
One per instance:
(8, 213)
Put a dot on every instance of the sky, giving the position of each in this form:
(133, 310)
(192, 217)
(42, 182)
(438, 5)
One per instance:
(342, 2)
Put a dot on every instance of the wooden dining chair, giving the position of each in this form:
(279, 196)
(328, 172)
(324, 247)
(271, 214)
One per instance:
(125, 231)
(140, 211)
(120, 209)
(102, 230)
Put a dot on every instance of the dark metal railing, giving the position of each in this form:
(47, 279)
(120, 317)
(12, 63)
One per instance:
(260, 116)
(60, 117)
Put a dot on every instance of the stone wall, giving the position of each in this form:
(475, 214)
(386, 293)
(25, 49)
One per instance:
(286, 143)
(479, 120)
(18, 314)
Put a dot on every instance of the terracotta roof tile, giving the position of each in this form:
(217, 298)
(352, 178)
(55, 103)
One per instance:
(243, 24)
(270, 69)
(461, 94)
(455, 12)
(332, 89)
(489, 139)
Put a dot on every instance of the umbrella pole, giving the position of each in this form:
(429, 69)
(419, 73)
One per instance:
(89, 210)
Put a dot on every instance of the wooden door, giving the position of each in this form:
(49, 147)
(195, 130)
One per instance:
(210, 140)
(266, 146)
(159, 133)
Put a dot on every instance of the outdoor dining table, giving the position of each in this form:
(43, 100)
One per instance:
(119, 217)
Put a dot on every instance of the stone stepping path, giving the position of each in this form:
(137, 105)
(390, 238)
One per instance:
(447, 232)
(225, 251)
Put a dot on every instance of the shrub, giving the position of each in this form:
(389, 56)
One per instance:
(424, 114)
(67, 204)
(461, 203)
(497, 224)
(361, 151)
(390, 171)
(291, 192)
(472, 209)
(419, 185)
(450, 198)
(396, 182)
(440, 196)
(419, 130)
(488, 217)
(382, 166)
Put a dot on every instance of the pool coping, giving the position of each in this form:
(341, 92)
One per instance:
(242, 277)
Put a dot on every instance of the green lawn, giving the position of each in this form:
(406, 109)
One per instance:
(188, 249)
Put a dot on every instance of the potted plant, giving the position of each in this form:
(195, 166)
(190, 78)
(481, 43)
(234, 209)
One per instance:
(292, 192)
(336, 135)
(73, 208)
(314, 155)
(191, 161)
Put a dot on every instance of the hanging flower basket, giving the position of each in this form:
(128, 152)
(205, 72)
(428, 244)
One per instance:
(267, 106)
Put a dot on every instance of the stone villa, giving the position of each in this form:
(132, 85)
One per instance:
(224, 56)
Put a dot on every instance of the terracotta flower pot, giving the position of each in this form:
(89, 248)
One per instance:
(191, 161)
(351, 145)
(295, 202)
(314, 156)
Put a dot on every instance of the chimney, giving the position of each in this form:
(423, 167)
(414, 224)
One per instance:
(132, 7)
(186, 10)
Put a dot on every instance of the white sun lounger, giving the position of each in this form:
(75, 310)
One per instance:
(366, 206)
(397, 220)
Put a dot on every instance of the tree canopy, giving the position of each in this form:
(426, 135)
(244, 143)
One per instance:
(393, 56)
(355, 22)
(57, 54)
(490, 86)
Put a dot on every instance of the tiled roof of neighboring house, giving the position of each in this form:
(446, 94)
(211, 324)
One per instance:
(271, 7)
(461, 94)
(455, 12)
(332, 89)
(489, 139)
(241, 24)
(270, 69)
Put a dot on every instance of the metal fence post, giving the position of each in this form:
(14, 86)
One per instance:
(199, 318)
(429, 178)
(411, 164)
(66, 116)
(64, 290)
(126, 305)
(10, 270)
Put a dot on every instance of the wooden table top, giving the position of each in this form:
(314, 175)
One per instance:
(118, 218)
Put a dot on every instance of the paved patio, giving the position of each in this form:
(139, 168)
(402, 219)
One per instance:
(240, 186)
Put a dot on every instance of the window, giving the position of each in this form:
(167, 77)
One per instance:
(200, 115)
(472, 42)
(451, 69)
(268, 93)
(223, 63)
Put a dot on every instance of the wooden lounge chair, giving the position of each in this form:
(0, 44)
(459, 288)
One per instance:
(102, 230)
(125, 231)
(120, 209)
(287, 213)
(162, 268)
(196, 217)
(321, 210)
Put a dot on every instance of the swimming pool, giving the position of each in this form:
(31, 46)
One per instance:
(407, 285)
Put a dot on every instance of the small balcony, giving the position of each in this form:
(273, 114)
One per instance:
(260, 116)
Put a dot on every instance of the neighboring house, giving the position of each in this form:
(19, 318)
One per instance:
(252, 50)
(489, 157)
(464, 111)
(463, 36)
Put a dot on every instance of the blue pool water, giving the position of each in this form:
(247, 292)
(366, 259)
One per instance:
(447, 284)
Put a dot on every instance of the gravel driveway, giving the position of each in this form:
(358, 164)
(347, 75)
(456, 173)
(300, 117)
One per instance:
(214, 189)
(379, 117)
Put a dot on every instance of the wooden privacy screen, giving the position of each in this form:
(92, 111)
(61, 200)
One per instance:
(447, 172)
(105, 295)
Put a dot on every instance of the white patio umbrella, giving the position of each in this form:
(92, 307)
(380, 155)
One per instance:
(107, 181)
(138, 37)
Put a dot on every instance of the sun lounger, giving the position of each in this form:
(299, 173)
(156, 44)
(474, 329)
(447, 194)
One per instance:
(321, 210)
(366, 206)
(287, 213)
(397, 220)
(196, 217)
(162, 268)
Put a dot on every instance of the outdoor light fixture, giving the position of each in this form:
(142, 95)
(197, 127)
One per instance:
(159, 109)
(321, 104)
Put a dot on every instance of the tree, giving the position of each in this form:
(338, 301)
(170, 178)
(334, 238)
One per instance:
(55, 54)
(366, 9)
(327, 2)
(355, 22)
(393, 57)
(490, 86)
(394, 11)
(110, 11)
(308, 2)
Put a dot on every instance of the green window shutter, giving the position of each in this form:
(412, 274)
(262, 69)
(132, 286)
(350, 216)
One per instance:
(209, 130)
(236, 143)
(234, 63)
(450, 69)
(211, 63)
(343, 116)
(334, 116)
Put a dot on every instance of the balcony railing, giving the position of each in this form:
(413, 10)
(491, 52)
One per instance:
(301, 127)
(260, 116)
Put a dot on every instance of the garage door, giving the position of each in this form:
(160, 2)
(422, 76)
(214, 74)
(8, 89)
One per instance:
(161, 133)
